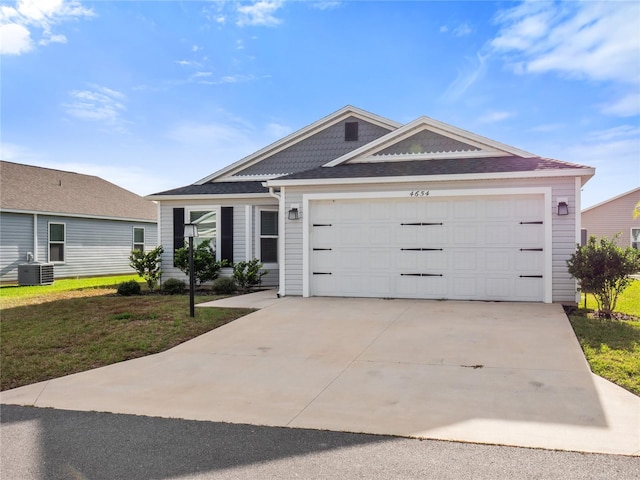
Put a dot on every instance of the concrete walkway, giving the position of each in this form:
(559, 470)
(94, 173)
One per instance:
(500, 373)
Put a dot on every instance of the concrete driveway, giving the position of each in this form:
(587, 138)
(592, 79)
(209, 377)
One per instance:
(501, 373)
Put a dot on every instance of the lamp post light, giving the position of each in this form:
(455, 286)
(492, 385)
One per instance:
(191, 231)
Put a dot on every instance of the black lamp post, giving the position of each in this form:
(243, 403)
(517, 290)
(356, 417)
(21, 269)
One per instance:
(191, 231)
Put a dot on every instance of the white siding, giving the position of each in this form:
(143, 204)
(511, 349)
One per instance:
(563, 227)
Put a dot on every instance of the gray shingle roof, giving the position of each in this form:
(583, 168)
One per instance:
(449, 166)
(37, 189)
(217, 188)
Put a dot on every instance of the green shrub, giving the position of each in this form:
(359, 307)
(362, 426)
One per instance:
(126, 289)
(248, 275)
(224, 286)
(173, 286)
(147, 265)
(603, 269)
(205, 266)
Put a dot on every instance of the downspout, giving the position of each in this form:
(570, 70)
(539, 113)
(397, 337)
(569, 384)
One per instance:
(281, 227)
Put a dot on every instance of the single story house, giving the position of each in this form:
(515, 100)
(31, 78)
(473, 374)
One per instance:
(82, 224)
(359, 205)
(612, 217)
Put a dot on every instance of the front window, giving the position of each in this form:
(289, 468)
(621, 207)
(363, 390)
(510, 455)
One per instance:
(138, 239)
(207, 221)
(268, 236)
(56, 242)
(635, 238)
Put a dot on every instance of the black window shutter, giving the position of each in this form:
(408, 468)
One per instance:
(178, 230)
(226, 235)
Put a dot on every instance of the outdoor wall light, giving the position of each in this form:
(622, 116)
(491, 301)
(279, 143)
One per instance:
(563, 206)
(294, 213)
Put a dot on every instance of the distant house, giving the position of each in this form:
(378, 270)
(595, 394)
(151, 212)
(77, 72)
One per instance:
(82, 224)
(613, 216)
(357, 205)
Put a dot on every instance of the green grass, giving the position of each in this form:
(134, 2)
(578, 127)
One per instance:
(628, 302)
(612, 347)
(62, 332)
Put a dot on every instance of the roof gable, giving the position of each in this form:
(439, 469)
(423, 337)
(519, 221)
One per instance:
(622, 197)
(248, 166)
(44, 190)
(426, 138)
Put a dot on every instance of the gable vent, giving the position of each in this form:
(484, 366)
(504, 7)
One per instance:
(351, 131)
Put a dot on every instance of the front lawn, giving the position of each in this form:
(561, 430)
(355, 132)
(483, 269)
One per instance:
(612, 347)
(57, 333)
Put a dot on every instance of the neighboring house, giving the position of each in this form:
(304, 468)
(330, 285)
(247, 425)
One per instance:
(82, 224)
(614, 216)
(361, 206)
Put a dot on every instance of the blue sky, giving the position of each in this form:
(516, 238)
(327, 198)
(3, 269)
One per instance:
(153, 95)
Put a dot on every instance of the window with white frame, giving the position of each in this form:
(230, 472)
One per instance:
(269, 236)
(138, 238)
(57, 236)
(206, 218)
(635, 238)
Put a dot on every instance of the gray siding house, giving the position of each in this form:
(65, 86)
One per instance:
(82, 224)
(612, 217)
(359, 205)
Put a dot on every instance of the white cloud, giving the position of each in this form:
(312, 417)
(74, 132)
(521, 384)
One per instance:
(597, 41)
(462, 30)
(493, 117)
(473, 70)
(627, 106)
(259, 13)
(15, 39)
(101, 104)
(326, 5)
(36, 17)
(548, 127)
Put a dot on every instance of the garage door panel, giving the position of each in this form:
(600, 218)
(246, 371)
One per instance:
(486, 248)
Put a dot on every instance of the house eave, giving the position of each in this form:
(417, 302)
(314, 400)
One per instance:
(588, 173)
(207, 196)
(76, 215)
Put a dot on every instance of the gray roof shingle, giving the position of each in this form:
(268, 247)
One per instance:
(449, 166)
(217, 188)
(38, 189)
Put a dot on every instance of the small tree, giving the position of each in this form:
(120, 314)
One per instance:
(603, 269)
(205, 266)
(147, 265)
(249, 274)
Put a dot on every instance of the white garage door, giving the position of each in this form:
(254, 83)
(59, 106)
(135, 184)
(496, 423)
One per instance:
(467, 248)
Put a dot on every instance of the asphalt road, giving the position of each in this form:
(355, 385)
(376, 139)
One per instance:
(55, 444)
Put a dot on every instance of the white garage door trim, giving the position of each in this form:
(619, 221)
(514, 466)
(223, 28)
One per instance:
(544, 191)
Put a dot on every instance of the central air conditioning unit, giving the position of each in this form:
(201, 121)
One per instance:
(35, 273)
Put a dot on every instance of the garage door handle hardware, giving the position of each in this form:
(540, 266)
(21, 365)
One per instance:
(421, 275)
(531, 223)
(420, 224)
(322, 273)
(531, 249)
(320, 249)
(530, 276)
(321, 224)
(422, 249)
